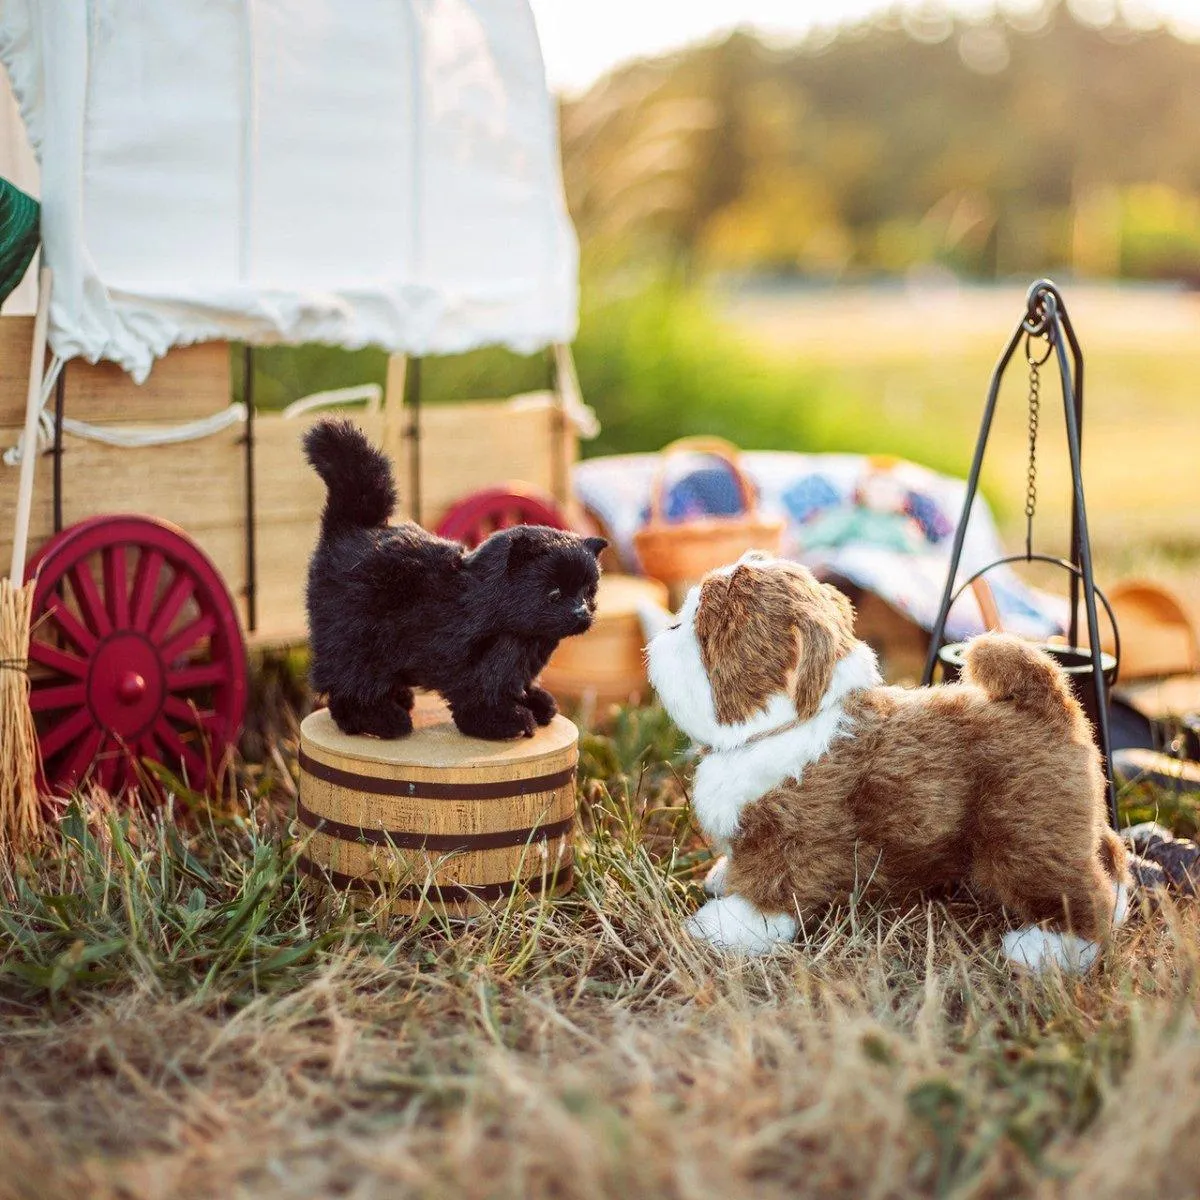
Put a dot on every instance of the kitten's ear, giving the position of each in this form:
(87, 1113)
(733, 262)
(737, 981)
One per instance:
(595, 544)
(523, 547)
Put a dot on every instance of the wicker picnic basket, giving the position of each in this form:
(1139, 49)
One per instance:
(679, 553)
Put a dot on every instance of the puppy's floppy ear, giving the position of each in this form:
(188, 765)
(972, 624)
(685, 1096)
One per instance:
(844, 607)
(523, 547)
(826, 626)
(595, 544)
(744, 627)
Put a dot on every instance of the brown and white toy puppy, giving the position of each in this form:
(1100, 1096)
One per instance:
(820, 782)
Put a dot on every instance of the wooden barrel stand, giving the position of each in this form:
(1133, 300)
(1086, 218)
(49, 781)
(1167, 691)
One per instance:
(436, 818)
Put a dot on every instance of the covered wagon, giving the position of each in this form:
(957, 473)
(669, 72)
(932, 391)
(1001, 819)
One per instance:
(219, 177)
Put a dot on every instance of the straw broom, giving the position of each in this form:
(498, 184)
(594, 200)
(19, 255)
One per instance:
(21, 822)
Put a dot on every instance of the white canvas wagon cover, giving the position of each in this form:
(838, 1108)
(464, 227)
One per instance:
(370, 172)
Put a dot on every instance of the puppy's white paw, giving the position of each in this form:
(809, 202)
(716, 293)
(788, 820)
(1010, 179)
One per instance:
(1038, 949)
(714, 881)
(733, 923)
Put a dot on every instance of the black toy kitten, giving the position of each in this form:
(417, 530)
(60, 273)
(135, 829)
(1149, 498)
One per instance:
(393, 608)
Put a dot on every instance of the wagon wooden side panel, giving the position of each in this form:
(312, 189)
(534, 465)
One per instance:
(197, 485)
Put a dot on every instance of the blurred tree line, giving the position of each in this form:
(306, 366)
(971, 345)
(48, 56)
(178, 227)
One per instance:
(1014, 145)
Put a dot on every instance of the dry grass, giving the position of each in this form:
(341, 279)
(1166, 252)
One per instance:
(182, 1019)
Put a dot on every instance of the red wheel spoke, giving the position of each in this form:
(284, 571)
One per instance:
(184, 754)
(180, 710)
(74, 629)
(59, 660)
(79, 762)
(147, 747)
(193, 677)
(188, 636)
(91, 605)
(168, 610)
(67, 695)
(116, 585)
(107, 767)
(210, 723)
(145, 587)
(63, 734)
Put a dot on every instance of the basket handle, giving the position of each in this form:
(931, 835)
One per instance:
(977, 585)
(715, 447)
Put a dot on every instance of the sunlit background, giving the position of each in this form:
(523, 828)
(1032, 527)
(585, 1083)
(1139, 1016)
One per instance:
(581, 40)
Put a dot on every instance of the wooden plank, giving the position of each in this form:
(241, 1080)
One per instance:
(478, 444)
(196, 485)
(288, 488)
(282, 553)
(188, 382)
(16, 344)
(481, 443)
(464, 447)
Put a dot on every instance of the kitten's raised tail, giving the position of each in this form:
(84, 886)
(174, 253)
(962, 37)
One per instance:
(362, 492)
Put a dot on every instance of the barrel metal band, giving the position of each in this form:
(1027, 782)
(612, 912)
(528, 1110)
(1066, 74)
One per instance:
(563, 877)
(426, 790)
(404, 839)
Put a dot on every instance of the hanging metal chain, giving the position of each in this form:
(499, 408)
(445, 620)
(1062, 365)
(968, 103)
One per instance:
(1035, 413)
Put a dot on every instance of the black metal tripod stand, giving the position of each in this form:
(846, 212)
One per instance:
(1045, 319)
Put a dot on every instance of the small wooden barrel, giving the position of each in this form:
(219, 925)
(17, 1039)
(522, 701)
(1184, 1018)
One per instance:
(607, 664)
(438, 818)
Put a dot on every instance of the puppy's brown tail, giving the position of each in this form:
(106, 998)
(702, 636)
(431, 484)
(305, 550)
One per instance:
(1012, 671)
(362, 492)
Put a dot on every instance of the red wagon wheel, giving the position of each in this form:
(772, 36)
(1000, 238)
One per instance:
(481, 513)
(136, 654)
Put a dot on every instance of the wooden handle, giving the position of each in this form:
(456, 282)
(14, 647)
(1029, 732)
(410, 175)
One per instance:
(715, 447)
(988, 608)
(29, 449)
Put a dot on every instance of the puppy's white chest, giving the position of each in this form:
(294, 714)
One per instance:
(727, 780)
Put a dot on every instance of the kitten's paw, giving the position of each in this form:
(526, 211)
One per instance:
(525, 721)
(496, 724)
(393, 722)
(541, 704)
(384, 720)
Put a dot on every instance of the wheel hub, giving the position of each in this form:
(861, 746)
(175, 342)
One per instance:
(126, 684)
